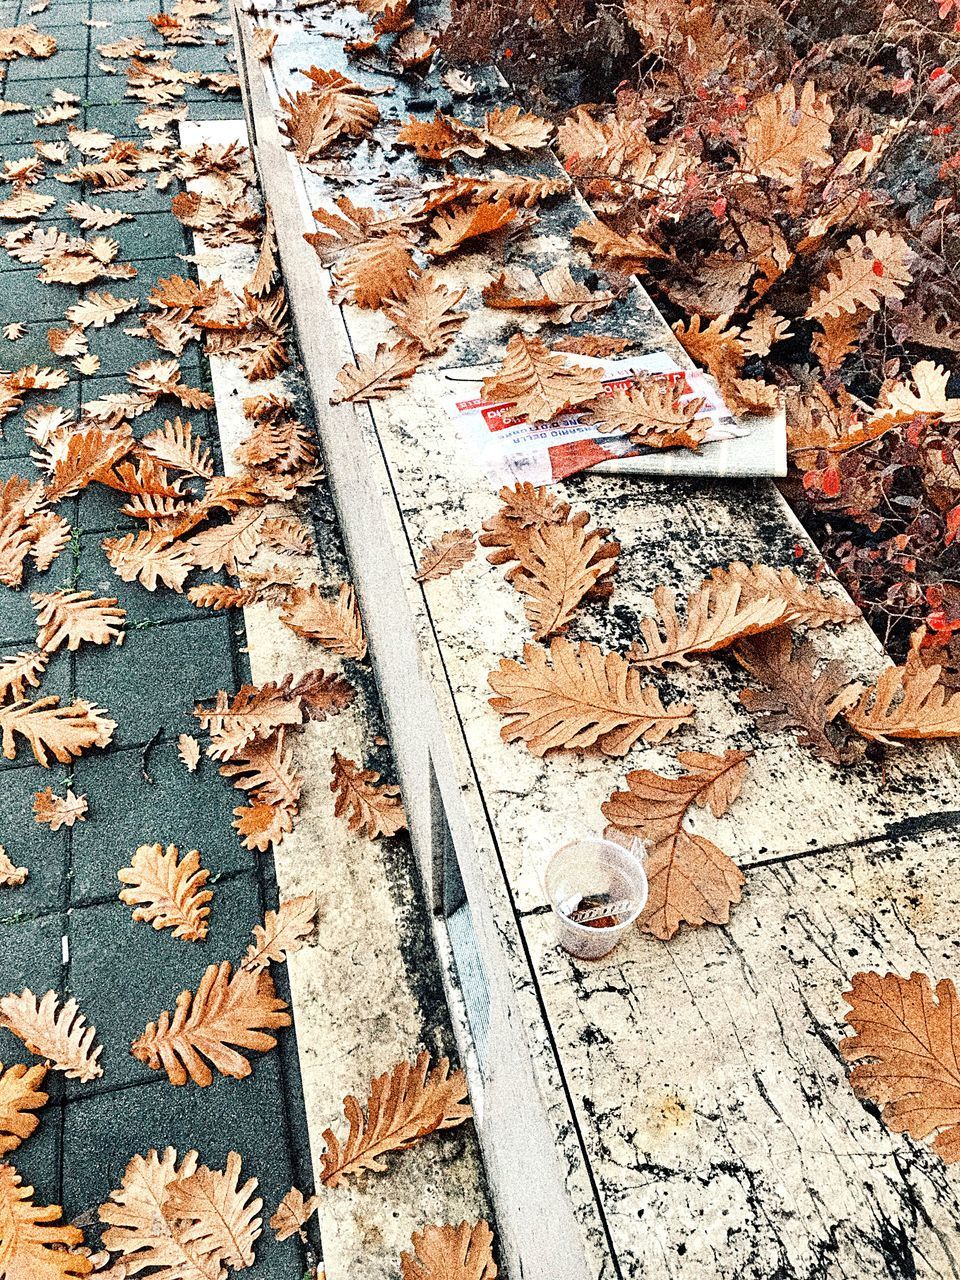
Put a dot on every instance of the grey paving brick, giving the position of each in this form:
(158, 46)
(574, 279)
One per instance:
(66, 62)
(156, 676)
(190, 810)
(31, 955)
(14, 441)
(230, 1115)
(42, 851)
(22, 294)
(125, 972)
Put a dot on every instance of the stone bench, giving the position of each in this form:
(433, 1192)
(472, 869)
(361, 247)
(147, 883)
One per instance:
(678, 1108)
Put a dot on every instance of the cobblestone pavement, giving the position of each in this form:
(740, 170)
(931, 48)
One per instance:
(65, 928)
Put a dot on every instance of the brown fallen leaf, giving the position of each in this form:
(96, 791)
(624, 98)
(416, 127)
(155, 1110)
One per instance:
(20, 1096)
(168, 891)
(539, 383)
(292, 1214)
(11, 877)
(59, 1034)
(370, 806)
(75, 617)
(282, 932)
(98, 309)
(372, 379)
(336, 624)
(560, 564)
(14, 332)
(220, 1217)
(188, 749)
(456, 226)
(449, 552)
(450, 1253)
(406, 1103)
(796, 696)
(805, 604)
(903, 702)
(555, 291)
(59, 811)
(691, 880)
(574, 697)
(63, 732)
(906, 1048)
(717, 616)
(17, 672)
(425, 312)
(34, 1244)
(226, 1010)
(651, 413)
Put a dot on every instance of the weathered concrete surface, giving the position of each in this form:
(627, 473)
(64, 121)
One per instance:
(576, 1076)
(366, 992)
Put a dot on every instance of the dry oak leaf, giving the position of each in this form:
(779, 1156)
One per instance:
(149, 558)
(651, 413)
(62, 1035)
(560, 564)
(20, 1096)
(14, 332)
(261, 825)
(927, 395)
(866, 271)
(188, 749)
(717, 616)
(539, 383)
(406, 1103)
(904, 702)
(168, 891)
(370, 273)
(11, 877)
(599, 345)
(555, 291)
(586, 698)
(453, 228)
(252, 712)
(450, 1253)
(511, 129)
(370, 806)
(292, 1214)
(63, 732)
(691, 880)
(784, 137)
(425, 312)
(141, 1231)
(373, 379)
(67, 342)
(906, 1048)
(262, 40)
(32, 1245)
(266, 769)
(89, 454)
(440, 138)
(174, 445)
(336, 624)
(628, 254)
(72, 617)
(18, 672)
(216, 1216)
(451, 551)
(806, 604)
(796, 696)
(98, 309)
(94, 217)
(282, 932)
(55, 812)
(225, 1011)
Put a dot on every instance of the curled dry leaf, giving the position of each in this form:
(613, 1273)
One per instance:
(253, 712)
(336, 624)
(283, 931)
(63, 732)
(691, 880)
(538, 383)
(805, 604)
(59, 811)
(75, 617)
(906, 1046)
(573, 697)
(555, 291)
(453, 228)
(188, 749)
(168, 891)
(904, 702)
(98, 309)
(20, 1097)
(372, 379)
(560, 565)
(449, 552)
(33, 1243)
(425, 312)
(11, 877)
(16, 673)
(370, 806)
(406, 1103)
(225, 1011)
(450, 1253)
(717, 616)
(220, 1217)
(60, 1035)
(292, 1214)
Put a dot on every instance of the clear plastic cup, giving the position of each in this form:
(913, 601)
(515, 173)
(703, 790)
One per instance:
(590, 875)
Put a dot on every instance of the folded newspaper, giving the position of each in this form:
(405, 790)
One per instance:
(512, 449)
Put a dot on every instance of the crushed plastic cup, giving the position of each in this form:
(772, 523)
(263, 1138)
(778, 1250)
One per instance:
(597, 889)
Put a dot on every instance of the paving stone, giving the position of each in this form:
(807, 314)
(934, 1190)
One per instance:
(157, 675)
(22, 294)
(142, 606)
(31, 955)
(190, 810)
(66, 62)
(17, 615)
(230, 1115)
(147, 200)
(38, 1160)
(217, 109)
(124, 972)
(42, 851)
